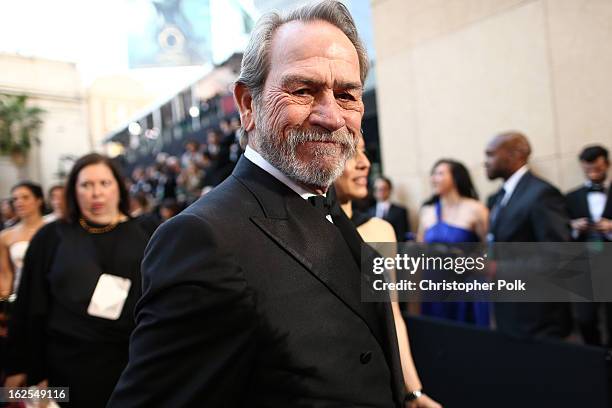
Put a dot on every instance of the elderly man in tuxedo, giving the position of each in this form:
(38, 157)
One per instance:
(251, 296)
(525, 209)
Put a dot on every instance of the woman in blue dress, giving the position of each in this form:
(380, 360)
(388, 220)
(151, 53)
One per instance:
(454, 215)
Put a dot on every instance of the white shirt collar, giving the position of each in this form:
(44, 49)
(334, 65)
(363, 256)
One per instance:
(262, 163)
(384, 204)
(589, 183)
(382, 208)
(512, 182)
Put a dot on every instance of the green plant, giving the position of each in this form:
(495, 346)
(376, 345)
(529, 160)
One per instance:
(19, 124)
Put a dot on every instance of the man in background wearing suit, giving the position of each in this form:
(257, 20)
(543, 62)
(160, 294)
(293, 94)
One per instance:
(396, 215)
(251, 296)
(525, 209)
(590, 209)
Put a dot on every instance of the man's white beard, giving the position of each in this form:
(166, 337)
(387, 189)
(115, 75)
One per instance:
(282, 153)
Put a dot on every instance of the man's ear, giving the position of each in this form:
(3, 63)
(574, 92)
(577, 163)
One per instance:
(244, 101)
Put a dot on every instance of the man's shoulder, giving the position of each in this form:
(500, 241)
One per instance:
(398, 207)
(539, 185)
(224, 198)
(576, 192)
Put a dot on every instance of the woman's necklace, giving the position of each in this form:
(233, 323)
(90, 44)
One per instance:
(98, 230)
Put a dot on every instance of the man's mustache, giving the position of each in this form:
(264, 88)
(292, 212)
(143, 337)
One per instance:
(341, 136)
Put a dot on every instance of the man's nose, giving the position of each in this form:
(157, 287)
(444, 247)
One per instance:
(326, 113)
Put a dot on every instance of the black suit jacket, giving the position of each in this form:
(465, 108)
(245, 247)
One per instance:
(536, 212)
(397, 216)
(578, 207)
(252, 298)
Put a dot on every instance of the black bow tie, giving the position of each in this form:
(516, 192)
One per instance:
(328, 206)
(596, 188)
(321, 203)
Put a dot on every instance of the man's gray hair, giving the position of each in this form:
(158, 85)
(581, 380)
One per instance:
(256, 58)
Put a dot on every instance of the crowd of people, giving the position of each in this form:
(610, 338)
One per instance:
(453, 214)
(53, 229)
(174, 182)
(251, 295)
(525, 209)
(86, 238)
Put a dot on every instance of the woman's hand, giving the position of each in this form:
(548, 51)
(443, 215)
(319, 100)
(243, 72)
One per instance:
(423, 402)
(15, 380)
(44, 403)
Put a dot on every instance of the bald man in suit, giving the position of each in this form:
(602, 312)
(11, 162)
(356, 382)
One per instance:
(526, 209)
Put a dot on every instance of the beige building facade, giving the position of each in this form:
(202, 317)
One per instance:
(452, 73)
(76, 118)
(55, 87)
(112, 100)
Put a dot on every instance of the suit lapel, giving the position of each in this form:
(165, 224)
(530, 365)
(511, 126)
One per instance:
(388, 214)
(519, 190)
(608, 208)
(494, 219)
(301, 231)
(507, 212)
(583, 203)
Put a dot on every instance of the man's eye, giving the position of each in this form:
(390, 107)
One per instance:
(345, 96)
(302, 91)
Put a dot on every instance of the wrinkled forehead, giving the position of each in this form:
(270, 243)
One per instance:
(313, 48)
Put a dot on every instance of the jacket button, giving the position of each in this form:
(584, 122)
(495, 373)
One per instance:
(365, 357)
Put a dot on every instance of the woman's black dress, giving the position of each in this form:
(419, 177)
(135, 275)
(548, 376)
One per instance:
(358, 218)
(51, 333)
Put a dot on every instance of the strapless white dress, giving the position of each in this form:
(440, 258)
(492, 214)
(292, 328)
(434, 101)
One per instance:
(17, 253)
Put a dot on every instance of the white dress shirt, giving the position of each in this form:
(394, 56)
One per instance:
(262, 163)
(510, 184)
(597, 202)
(382, 208)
